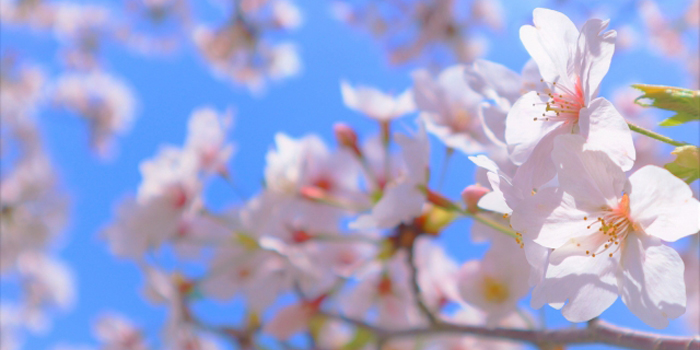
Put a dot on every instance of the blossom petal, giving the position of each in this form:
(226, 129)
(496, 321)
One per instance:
(550, 42)
(550, 218)
(522, 132)
(589, 284)
(539, 167)
(663, 204)
(494, 81)
(651, 282)
(593, 55)
(588, 175)
(606, 130)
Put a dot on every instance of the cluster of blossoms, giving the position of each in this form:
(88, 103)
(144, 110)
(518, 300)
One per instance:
(428, 32)
(442, 24)
(32, 212)
(349, 236)
(241, 51)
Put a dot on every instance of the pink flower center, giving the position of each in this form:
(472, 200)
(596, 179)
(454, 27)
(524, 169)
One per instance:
(615, 224)
(564, 103)
(385, 287)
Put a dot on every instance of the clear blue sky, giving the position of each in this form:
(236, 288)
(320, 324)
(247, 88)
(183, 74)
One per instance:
(169, 88)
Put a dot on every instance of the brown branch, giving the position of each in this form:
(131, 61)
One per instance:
(597, 332)
(415, 287)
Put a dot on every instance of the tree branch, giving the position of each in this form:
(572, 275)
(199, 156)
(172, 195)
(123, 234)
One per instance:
(415, 287)
(597, 332)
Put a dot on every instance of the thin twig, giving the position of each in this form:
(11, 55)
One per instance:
(416, 288)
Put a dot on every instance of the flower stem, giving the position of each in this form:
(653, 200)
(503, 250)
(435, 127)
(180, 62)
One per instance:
(653, 135)
(491, 223)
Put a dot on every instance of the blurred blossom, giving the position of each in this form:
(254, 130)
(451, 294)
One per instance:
(168, 206)
(649, 151)
(377, 104)
(116, 332)
(240, 52)
(82, 30)
(33, 210)
(413, 30)
(47, 283)
(106, 102)
(450, 109)
(155, 26)
(21, 87)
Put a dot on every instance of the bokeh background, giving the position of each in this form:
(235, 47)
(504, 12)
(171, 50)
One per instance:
(169, 85)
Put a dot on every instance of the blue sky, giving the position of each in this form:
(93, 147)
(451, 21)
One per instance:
(169, 88)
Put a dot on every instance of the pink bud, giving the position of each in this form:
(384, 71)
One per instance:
(471, 196)
(346, 137)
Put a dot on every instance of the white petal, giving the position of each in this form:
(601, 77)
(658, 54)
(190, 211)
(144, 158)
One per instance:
(539, 168)
(593, 55)
(606, 130)
(551, 218)
(588, 283)
(651, 282)
(550, 42)
(589, 175)
(494, 80)
(522, 131)
(400, 203)
(494, 201)
(462, 142)
(663, 204)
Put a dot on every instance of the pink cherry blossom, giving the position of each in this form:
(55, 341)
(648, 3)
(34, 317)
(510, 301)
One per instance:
(106, 102)
(606, 232)
(207, 138)
(402, 200)
(116, 332)
(450, 108)
(573, 63)
(497, 282)
(377, 104)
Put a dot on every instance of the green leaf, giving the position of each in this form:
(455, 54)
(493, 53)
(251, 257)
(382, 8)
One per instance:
(362, 337)
(685, 102)
(687, 163)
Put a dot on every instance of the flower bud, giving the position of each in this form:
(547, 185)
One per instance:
(346, 137)
(471, 196)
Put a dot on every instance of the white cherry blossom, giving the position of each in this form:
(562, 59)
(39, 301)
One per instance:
(450, 108)
(573, 64)
(377, 104)
(497, 282)
(606, 232)
(402, 200)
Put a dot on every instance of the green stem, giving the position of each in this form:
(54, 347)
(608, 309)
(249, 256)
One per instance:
(490, 223)
(653, 135)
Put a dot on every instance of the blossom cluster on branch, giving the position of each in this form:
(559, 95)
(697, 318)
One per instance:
(351, 232)
(343, 247)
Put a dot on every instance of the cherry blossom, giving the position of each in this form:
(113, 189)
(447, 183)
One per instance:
(573, 64)
(606, 232)
(377, 104)
(206, 137)
(402, 200)
(449, 109)
(497, 282)
(308, 168)
(116, 332)
(106, 102)
(384, 287)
